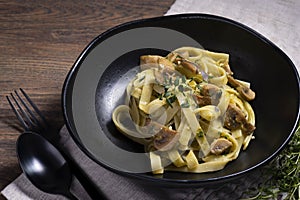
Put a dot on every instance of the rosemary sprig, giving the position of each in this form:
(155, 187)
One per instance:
(282, 175)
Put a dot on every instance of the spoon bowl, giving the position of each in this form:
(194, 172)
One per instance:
(44, 165)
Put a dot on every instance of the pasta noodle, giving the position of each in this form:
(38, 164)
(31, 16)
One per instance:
(188, 111)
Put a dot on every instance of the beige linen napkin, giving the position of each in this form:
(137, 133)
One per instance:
(275, 19)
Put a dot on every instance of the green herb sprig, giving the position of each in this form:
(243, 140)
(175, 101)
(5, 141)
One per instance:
(282, 175)
(171, 84)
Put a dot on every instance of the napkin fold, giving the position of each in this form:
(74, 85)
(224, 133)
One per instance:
(275, 19)
(118, 187)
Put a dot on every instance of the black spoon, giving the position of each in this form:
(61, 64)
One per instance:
(44, 165)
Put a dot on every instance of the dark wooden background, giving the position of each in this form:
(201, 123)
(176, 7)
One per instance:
(39, 42)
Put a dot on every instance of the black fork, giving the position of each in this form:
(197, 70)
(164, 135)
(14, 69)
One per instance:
(32, 119)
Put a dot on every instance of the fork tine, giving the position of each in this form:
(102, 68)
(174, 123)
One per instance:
(30, 116)
(34, 107)
(19, 116)
(28, 120)
(27, 112)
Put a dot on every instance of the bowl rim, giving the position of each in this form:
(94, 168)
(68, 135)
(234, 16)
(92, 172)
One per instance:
(101, 37)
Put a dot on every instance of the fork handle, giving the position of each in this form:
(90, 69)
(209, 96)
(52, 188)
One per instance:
(84, 180)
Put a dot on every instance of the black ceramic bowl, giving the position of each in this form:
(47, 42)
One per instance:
(96, 84)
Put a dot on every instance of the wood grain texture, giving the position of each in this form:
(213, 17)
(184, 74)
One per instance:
(39, 42)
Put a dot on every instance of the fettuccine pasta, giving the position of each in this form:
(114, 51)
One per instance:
(188, 111)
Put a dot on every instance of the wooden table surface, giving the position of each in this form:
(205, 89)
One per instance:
(39, 42)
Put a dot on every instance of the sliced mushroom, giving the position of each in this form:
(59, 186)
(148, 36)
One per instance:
(210, 95)
(202, 100)
(226, 67)
(235, 119)
(186, 67)
(172, 56)
(165, 139)
(246, 93)
(192, 67)
(243, 90)
(209, 89)
(234, 83)
(213, 92)
(248, 128)
(220, 146)
(154, 61)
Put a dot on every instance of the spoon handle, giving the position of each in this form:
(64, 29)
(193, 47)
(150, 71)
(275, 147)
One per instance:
(89, 186)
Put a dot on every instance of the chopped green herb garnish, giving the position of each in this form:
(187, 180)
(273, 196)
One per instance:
(185, 104)
(181, 88)
(170, 98)
(223, 135)
(176, 82)
(200, 133)
(183, 78)
(199, 87)
(170, 80)
(169, 94)
(167, 87)
(160, 96)
(142, 78)
(210, 76)
(165, 80)
(170, 101)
